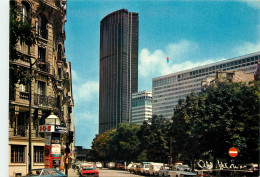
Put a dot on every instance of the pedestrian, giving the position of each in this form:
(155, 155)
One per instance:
(74, 166)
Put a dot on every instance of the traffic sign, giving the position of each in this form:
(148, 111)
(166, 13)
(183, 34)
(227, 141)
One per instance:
(233, 152)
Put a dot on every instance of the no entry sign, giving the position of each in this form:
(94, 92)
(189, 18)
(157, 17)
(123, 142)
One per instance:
(233, 152)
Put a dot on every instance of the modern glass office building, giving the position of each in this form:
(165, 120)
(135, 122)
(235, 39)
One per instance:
(168, 89)
(141, 106)
(118, 77)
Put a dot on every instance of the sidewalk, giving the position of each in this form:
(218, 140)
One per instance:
(72, 173)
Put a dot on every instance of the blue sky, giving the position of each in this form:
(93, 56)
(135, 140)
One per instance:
(191, 33)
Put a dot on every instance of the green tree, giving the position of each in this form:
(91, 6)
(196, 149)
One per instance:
(20, 32)
(154, 137)
(223, 115)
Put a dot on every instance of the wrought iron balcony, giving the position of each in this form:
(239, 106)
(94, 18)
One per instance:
(43, 100)
(43, 65)
(20, 130)
(24, 95)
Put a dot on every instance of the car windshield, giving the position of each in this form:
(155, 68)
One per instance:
(89, 168)
(157, 166)
(146, 166)
(51, 172)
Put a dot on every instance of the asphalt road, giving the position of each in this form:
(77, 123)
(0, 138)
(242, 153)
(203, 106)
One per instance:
(116, 173)
(107, 173)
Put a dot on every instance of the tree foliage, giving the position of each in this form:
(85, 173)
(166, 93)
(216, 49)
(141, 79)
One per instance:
(217, 119)
(204, 126)
(20, 32)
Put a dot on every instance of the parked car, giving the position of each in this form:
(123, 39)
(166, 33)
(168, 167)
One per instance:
(131, 170)
(120, 166)
(111, 165)
(164, 171)
(129, 166)
(99, 165)
(145, 169)
(181, 167)
(154, 168)
(137, 169)
(45, 172)
(89, 170)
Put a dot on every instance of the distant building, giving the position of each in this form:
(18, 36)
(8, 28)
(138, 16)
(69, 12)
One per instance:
(81, 153)
(118, 68)
(141, 106)
(168, 89)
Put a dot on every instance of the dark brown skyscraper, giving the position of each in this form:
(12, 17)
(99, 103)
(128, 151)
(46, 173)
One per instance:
(118, 77)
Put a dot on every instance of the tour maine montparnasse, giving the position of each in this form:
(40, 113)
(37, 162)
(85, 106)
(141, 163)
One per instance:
(118, 67)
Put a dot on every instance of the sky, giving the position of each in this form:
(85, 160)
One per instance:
(190, 33)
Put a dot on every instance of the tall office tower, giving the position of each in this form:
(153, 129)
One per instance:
(168, 89)
(118, 75)
(141, 107)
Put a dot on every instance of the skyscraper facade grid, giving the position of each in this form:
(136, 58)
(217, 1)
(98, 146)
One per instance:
(118, 77)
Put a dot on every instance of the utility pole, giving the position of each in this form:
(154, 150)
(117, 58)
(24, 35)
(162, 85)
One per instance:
(171, 150)
(67, 148)
(30, 116)
(30, 121)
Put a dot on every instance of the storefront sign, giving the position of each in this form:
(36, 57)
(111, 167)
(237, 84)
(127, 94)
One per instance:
(60, 129)
(55, 150)
(55, 162)
(47, 151)
(55, 140)
(46, 128)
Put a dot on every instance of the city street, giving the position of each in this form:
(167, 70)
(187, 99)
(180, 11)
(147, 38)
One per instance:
(106, 173)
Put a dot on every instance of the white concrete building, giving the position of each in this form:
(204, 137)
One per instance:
(168, 89)
(141, 106)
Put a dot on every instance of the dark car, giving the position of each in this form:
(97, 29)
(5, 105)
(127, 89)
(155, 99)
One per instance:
(45, 172)
(120, 166)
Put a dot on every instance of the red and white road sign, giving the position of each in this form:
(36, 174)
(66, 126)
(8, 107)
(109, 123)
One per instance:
(233, 152)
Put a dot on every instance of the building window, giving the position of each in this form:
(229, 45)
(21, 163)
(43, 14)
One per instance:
(38, 154)
(23, 88)
(41, 54)
(41, 88)
(17, 154)
(26, 12)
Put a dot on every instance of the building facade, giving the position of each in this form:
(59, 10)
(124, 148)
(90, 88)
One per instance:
(118, 74)
(51, 87)
(168, 89)
(141, 107)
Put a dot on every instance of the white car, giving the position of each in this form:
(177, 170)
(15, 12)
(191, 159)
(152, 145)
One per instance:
(145, 169)
(164, 171)
(154, 168)
(99, 165)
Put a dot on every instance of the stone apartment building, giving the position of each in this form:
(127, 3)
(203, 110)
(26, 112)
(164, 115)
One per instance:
(51, 86)
(231, 76)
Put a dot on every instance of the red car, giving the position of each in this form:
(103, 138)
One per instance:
(89, 171)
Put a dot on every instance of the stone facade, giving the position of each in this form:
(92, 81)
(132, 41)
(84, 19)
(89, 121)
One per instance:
(51, 85)
(231, 76)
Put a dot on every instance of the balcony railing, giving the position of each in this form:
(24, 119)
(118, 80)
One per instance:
(20, 130)
(43, 100)
(24, 95)
(43, 65)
